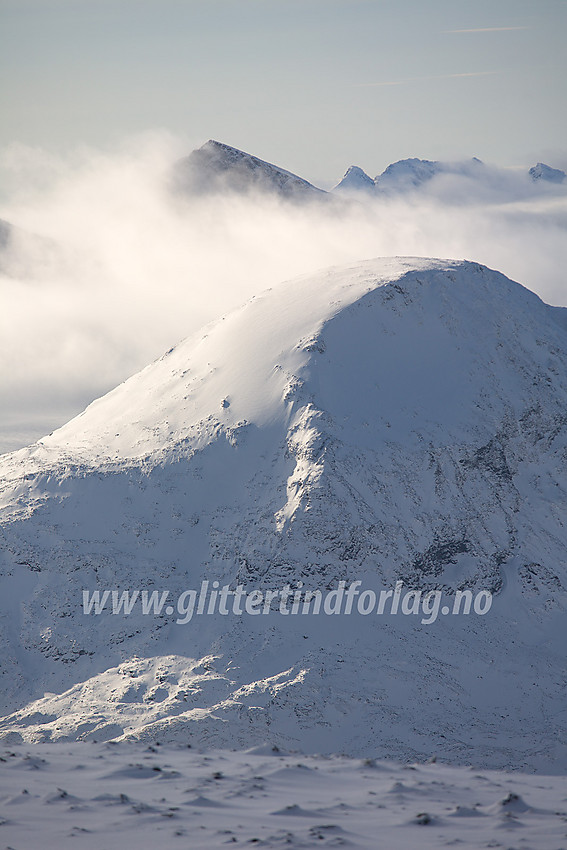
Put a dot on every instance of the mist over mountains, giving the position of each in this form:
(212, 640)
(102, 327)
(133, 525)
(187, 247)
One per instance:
(408, 175)
(110, 267)
(219, 168)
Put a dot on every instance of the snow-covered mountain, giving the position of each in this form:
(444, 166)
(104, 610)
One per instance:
(412, 174)
(355, 180)
(541, 171)
(218, 168)
(404, 175)
(408, 174)
(398, 420)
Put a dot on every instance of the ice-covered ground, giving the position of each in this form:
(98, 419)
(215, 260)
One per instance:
(106, 796)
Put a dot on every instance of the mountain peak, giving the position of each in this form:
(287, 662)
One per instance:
(408, 173)
(208, 377)
(216, 168)
(541, 171)
(355, 180)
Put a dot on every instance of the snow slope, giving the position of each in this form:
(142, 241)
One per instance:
(218, 168)
(401, 419)
(355, 180)
(541, 171)
(125, 797)
(408, 174)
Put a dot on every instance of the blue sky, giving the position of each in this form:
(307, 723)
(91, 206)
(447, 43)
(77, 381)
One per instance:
(314, 85)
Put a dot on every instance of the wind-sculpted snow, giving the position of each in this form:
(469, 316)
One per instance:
(129, 796)
(135, 796)
(398, 420)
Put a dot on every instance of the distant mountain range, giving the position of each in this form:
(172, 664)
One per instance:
(217, 168)
(410, 174)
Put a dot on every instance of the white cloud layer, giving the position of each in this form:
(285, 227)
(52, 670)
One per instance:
(122, 271)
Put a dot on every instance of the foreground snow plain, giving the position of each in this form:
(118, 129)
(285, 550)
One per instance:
(134, 797)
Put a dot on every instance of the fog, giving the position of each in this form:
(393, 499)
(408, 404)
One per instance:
(106, 269)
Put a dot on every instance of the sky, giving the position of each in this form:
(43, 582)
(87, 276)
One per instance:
(314, 85)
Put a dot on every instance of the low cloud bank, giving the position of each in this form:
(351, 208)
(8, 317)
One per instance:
(104, 269)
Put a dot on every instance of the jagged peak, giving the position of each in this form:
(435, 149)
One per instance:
(355, 179)
(541, 171)
(216, 167)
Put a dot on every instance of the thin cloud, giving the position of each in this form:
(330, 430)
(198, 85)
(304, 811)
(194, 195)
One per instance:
(434, 77)
(466, 74)
(486, 29)
(376, 85)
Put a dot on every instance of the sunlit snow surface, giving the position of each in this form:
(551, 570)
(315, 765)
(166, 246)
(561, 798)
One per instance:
(392, 419)
(130, 797)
